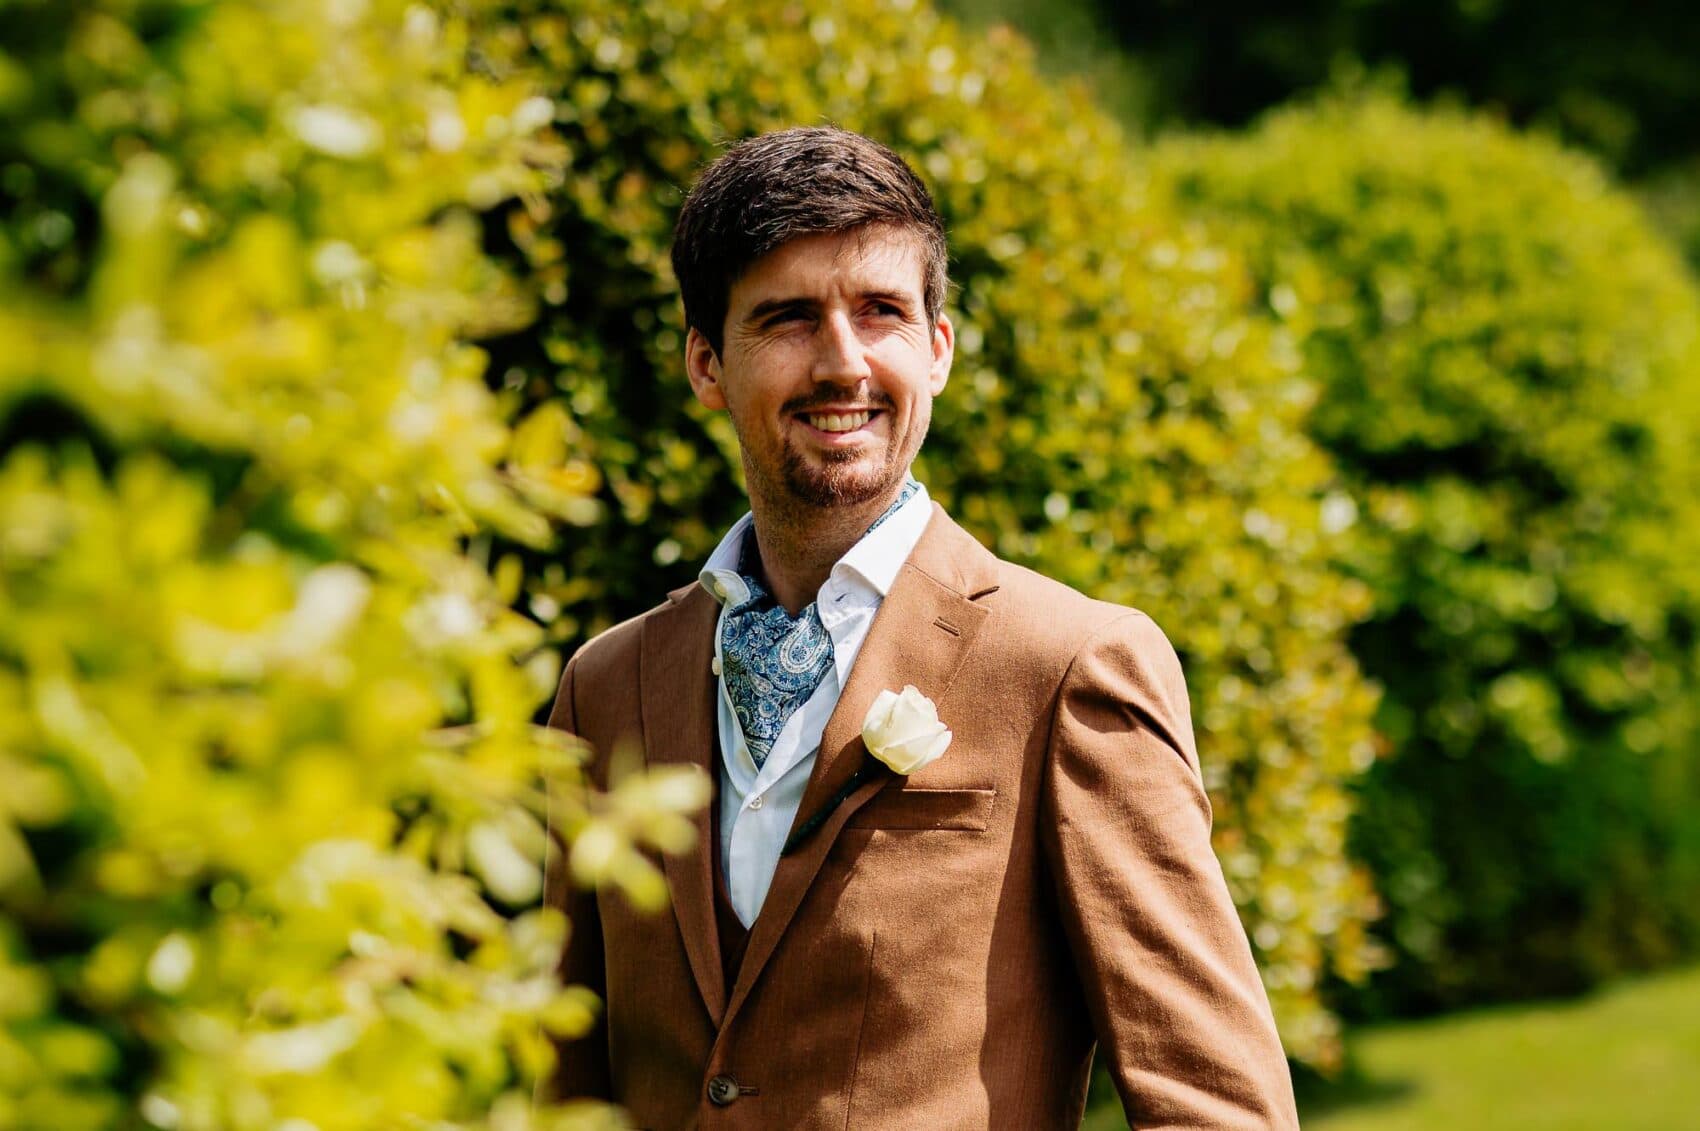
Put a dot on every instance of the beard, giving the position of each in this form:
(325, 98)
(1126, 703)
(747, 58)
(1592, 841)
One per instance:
(831, 479)
(840, 479)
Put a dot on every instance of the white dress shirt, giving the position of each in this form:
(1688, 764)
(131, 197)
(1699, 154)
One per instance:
(759, 805)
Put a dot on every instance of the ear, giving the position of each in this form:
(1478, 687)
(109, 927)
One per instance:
(702, 366)
(944, 351)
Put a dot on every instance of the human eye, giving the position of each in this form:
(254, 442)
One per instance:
(784, 316)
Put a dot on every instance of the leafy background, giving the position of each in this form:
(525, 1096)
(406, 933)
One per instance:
(340, 396)
(274, 809)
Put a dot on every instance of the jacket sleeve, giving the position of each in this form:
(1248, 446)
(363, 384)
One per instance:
(583, 1069)
(1180, 1013)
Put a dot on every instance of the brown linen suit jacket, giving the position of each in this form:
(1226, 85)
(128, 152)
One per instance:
(943, 950)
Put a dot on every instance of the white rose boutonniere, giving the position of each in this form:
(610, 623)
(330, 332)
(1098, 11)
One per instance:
(902, 730)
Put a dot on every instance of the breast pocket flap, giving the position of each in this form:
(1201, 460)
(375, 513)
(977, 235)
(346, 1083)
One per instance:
(966, 810)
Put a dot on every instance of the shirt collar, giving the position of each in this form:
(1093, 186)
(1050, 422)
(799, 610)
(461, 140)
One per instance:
(875, 559)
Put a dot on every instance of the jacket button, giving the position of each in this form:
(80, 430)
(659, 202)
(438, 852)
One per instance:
(722, 1090)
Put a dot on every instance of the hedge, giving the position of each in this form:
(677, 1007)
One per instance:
(1673, 198)
(272, 821)
(1508, 370)
(1118, 417)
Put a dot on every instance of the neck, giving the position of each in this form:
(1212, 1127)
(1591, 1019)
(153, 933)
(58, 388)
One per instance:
(800, 543)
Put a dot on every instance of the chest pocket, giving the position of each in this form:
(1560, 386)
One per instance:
(961, 810)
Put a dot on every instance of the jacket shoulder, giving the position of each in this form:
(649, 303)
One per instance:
(1050, 633)
(614, 650)
(1053, 617)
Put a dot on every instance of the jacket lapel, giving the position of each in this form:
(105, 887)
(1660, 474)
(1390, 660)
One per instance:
(921, 634)
(677, 687)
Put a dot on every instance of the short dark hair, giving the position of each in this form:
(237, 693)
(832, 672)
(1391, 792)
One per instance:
(766, 191)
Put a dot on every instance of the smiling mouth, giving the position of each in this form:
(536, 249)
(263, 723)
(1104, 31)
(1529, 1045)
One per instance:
(837, 421)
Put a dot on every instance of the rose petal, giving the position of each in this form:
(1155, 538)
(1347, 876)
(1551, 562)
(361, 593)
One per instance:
(911, 754)
(911, 715)
(875, 725)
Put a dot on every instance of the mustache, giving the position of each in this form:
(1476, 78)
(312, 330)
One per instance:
(829, 396)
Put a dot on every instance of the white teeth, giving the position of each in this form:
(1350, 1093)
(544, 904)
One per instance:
(835, 422)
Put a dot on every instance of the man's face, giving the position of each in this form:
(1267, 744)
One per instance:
(829, 366)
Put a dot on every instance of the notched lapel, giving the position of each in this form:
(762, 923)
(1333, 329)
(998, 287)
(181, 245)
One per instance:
(677, 687)
(923, 631)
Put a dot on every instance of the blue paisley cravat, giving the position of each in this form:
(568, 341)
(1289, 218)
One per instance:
(774, 662)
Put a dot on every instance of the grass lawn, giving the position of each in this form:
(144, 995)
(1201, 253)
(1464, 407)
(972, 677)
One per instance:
(1626, 1059)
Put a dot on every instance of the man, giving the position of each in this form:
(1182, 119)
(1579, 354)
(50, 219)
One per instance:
(882, 926)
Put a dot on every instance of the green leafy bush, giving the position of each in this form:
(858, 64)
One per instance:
(1506, 354)
(1118, 416)
(271, 830)
(1673, 197)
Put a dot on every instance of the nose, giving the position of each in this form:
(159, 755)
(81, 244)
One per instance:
(839, 355)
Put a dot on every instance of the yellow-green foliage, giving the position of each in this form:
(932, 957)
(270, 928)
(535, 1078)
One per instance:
(1117, 417)
(271, 828)
(1507, 360)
